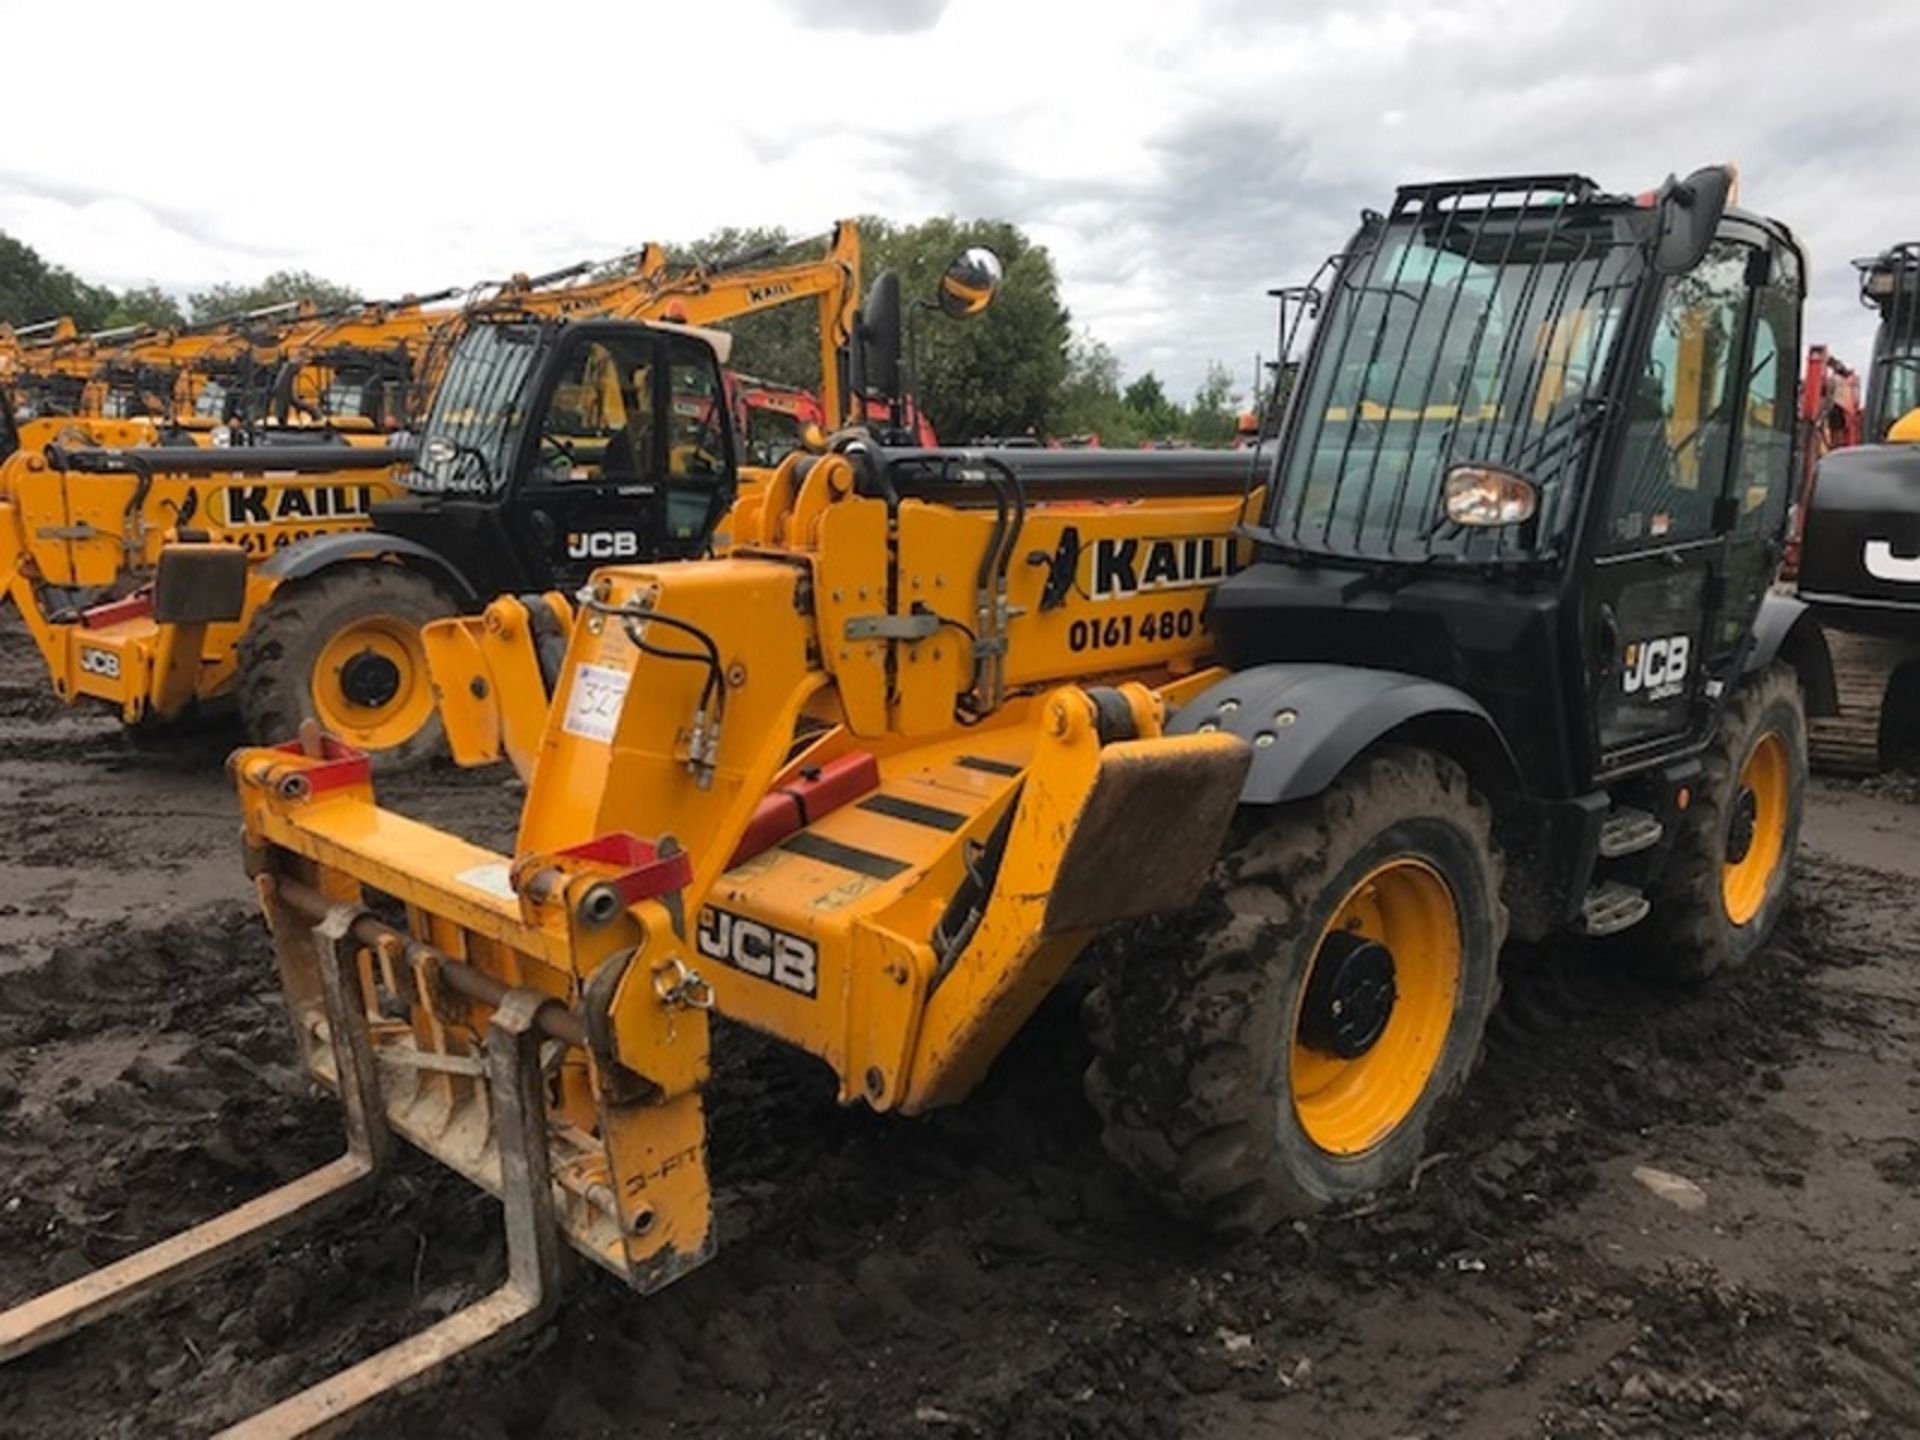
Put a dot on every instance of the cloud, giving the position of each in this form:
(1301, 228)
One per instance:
(872, 17)
(1178, 161)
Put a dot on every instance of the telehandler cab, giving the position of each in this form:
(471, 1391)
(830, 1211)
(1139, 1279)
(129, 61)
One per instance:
(1491, 651)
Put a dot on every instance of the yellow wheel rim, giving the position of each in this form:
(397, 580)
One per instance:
(1348, 1103)
(370, 684)
(1757, 829)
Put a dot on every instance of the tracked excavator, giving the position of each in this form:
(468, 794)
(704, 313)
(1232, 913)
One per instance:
(1485, 645)
(1858, 558)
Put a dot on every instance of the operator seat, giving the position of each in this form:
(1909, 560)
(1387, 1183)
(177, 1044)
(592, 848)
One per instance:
(629, 452)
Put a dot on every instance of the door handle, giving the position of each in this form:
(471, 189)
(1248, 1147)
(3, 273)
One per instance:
(1606, 637)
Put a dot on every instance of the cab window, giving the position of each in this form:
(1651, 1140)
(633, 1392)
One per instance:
(1763, 470)
(697, 447)
(598, 424)
(699, 461)
(211, 402)
(1680, 415)
(772, 435)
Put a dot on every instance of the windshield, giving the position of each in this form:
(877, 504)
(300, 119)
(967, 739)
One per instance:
(1451, 336)
(211, 402)
(772, 435)
(477, 409)
(1897, 386)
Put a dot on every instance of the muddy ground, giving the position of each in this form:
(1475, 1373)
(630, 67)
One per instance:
(984, 1272)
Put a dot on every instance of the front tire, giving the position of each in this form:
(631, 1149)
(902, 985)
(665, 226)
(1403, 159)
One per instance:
(1724, 887)
(1250, 1064)
(343, 648)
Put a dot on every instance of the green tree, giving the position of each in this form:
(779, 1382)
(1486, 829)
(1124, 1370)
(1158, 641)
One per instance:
(1216, 408)
(32, 290)
(146, 305)
(999, 373)
(218, 301)
(1156, 417)
(1090, 400)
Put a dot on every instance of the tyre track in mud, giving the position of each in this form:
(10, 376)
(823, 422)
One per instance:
(984, 1271)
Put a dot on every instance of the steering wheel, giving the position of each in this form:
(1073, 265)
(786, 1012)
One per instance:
(559, 447)
(694, 461)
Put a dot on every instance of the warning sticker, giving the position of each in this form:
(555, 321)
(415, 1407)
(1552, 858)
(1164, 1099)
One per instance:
(489, 879)
(593, 703)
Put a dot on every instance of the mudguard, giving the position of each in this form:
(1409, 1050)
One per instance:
(1307, 723)
(309, 557)
(1786, 628)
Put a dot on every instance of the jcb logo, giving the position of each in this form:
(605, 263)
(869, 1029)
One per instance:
(1883, 564)
(100, 662)
(603, 545)
(1657, 668)
(792, 961)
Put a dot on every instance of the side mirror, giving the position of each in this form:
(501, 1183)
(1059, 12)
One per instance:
(880, 338)
(1689, 212)
(970, 283)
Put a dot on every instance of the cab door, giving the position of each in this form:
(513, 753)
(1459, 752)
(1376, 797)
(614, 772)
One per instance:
(632, 458)
(1656, 593)
(592, 471)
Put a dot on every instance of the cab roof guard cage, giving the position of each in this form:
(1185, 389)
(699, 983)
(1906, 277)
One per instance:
(1473, 194)
(1890, 281)
(1469, 325)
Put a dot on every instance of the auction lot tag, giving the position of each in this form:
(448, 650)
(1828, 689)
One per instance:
(593, 704)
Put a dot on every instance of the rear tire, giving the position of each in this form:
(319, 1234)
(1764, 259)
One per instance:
(343, 648)
(1217, 1078)
(1724, 886)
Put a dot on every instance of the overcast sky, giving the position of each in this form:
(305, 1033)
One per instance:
(1177, 159)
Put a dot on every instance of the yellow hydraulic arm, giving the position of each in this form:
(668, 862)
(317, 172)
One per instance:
(707, 296)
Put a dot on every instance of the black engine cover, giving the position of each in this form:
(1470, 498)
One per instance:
(1861, 541)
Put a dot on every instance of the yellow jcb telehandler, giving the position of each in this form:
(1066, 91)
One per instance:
(1484, 645)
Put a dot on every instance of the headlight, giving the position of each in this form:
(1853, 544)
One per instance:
(1485, 495)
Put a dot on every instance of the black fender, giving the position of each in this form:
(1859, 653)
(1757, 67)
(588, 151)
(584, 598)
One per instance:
(1308, 722)
(322, 552)
(1786, 628)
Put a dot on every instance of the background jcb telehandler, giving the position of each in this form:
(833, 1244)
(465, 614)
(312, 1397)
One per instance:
(186, 377)
(565, 444)
(1492, 652)
(131, 568)
(353, 368)
(1859, 545)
